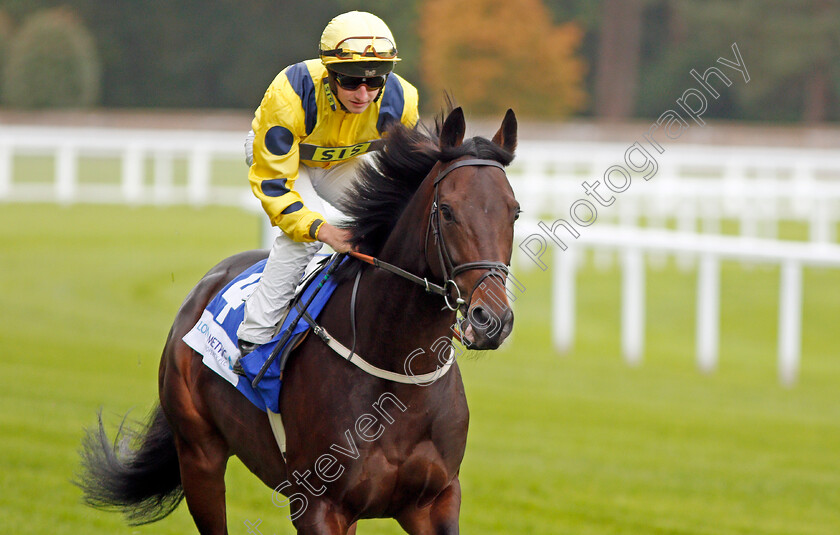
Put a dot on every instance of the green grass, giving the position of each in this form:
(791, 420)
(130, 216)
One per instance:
(578, 443)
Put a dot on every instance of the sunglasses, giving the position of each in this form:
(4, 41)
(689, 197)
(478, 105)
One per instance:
(351, 83)
(371, 47)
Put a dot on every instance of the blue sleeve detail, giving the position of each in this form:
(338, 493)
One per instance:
(278, 140)
(294, 207)
(275, 187)
(303, 85)
(393, 102)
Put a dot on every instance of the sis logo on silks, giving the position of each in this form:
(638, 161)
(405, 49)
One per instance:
(333, 154)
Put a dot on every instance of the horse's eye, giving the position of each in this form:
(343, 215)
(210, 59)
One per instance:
(446, 212)
(517, 213)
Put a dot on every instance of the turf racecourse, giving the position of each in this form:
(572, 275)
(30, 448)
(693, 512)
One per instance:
(577, 444)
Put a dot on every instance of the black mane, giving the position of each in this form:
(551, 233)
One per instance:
(386, 185)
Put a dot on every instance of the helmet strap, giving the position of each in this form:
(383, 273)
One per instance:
(332, 92)
(382, 89)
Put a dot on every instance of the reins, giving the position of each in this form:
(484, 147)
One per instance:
(391, 268)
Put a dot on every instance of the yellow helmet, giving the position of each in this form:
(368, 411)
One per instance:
(358, 43)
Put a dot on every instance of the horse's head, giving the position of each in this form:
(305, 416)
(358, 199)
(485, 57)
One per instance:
(470, 235)
(452, 199)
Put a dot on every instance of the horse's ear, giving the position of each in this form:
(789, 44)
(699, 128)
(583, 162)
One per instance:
(452, 133)
(506, 136)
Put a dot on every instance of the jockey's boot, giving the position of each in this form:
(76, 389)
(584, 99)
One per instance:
(245, 347)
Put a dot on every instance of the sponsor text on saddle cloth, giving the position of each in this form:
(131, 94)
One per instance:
(214, 336)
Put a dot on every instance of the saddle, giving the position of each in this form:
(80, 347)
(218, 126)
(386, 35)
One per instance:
(295, 309)
(214, 335)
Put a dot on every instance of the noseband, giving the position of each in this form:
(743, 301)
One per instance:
(449, 270)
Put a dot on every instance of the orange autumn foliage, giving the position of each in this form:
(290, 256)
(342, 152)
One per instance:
(498, 54)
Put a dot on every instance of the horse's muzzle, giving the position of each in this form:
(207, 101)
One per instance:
(487, 327)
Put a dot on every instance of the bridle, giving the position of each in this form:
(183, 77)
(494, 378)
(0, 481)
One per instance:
(449, 270)
(453, 301)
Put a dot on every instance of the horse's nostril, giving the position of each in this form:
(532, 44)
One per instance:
(480, 316)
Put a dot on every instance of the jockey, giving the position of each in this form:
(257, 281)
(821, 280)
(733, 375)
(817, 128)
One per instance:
(316, 122)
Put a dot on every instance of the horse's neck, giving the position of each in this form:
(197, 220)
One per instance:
(401, 312)
(398, 311)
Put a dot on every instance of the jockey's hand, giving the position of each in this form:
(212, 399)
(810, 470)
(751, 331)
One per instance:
(338, 239)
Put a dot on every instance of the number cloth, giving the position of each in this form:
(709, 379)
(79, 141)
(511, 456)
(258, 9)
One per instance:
(214, 336)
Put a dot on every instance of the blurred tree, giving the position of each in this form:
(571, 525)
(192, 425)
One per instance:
(667, 57)
(493, 55)
(190, 53)
(20, 9)
(223, 53)
(6, 30)
(793, 54)
(617, 74)
(52, 62)
(587, 15)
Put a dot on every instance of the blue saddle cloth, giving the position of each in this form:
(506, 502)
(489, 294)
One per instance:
(214, 336)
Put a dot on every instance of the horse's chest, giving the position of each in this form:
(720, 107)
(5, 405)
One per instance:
(389, 482)
(401, 452)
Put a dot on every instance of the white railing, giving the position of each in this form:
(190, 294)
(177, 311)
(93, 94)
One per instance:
(697, 186)
(140, 152)
(633, 244)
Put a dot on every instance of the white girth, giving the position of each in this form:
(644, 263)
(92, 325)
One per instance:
(276, 420)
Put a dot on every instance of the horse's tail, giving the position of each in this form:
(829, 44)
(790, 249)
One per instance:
(137, 475)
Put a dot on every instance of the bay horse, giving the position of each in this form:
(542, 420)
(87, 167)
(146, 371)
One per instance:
(430, 203)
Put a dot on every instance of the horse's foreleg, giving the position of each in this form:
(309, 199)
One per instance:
(203, 479)
(439, 518)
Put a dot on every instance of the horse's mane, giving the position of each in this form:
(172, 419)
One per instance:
(386, 184)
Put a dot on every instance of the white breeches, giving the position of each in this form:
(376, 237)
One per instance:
(321, 189)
